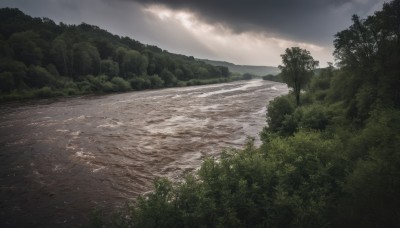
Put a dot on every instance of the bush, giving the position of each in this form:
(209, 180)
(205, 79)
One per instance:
(139, 83)
(101, 84)
(372, 198)
(121, 84)
(314, 117)
(181, 84)
(47, 92)
(109, 67)
(156, 82)
(39, 77)
(277, 110)
(247, 76)
(85, 86)
(319, 83)
(271, 77)
(290, 182)
(7, 82)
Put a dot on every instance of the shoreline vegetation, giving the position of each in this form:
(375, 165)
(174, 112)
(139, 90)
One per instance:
(40, 59)
(329, 158)
(48, 92)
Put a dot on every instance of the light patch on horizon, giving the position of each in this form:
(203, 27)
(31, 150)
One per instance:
(249, 48)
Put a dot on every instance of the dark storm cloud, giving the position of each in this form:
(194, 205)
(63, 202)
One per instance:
(314, 21)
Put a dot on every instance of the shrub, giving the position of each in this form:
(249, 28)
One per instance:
(314, 117)
(7, 82)
(156, 82)
(121, 84)
(247, 76)
(276, 111)
(289, 183)
(139, 83)
(44, 92)
(39, 77)
(101, 84)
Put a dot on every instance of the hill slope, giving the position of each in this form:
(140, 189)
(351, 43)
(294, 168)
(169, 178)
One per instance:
(39, 58)
(242, 69)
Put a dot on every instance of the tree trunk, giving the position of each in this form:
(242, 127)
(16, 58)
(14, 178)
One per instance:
(297, 98)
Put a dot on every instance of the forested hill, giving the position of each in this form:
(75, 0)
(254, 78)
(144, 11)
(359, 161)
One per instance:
(244, 69)
(39, 58)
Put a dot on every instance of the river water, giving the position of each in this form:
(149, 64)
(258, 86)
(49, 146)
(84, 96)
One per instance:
(60, 159)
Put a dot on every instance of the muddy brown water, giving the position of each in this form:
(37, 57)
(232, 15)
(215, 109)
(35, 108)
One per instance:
(60, 159)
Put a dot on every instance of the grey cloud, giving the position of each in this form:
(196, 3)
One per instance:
(313, 21)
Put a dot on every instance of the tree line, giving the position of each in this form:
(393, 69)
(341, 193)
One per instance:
(39, 58)
(329, 157)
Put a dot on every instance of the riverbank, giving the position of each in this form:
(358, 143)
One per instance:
(88, 87)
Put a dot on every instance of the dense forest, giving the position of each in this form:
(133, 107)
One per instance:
(39, 58)
(329, 159)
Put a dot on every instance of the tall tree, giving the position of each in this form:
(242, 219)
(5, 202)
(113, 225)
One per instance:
(297, 69)
(369, 50)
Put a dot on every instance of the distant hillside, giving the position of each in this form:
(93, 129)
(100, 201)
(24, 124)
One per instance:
(242, 69)
(41, 59)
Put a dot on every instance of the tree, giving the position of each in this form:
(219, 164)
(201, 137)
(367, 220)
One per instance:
(130, 62)
(86, 59)
(109, 67)
(25, 48)
(39, 77)
(224, 71)
(297, 69)
(370, 51)
(59, 53)
(168, 77)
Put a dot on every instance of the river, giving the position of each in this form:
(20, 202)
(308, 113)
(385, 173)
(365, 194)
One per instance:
(60, 159)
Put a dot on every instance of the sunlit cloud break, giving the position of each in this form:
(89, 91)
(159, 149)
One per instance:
(253, 48)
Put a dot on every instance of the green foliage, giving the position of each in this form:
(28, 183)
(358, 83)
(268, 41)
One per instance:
(290, 182)
(242, 69)
(44, 92)
(247, 76)
(372, 198)
(121, 84)
(373, 62)
(17, 69)
(7, 82)
(54, 52)
(320, 83)
(277, 111)
(86, 59)
(139, 83)
(156, 210)
(168, 78)
(25, 47)
(201, 72)
(109, 67)
(314, 117)
(156, 82)
(271, 77)
(297, 69)
(39, 77)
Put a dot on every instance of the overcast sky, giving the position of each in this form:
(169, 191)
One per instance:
(252, 32)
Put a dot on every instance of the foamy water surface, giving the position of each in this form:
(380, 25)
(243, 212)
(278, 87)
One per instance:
(60, 159)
